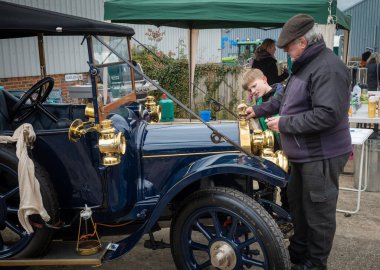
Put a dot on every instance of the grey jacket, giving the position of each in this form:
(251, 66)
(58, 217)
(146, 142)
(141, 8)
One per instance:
(314, 119)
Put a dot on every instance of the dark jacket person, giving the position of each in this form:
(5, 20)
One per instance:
(267, 63)
(373, 74)
(315, 135)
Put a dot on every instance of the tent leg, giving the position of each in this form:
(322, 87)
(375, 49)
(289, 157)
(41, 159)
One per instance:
(193, 46)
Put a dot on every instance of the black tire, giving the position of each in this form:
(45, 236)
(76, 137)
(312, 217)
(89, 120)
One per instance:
(20, 244)
(194, 234)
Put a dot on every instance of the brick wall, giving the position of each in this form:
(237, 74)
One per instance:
(24, 83)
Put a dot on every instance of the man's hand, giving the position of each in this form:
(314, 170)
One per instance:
(250, 113)
(272, 123)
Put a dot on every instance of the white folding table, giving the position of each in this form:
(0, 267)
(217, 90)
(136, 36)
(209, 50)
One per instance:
(359, 136)
(361, 116)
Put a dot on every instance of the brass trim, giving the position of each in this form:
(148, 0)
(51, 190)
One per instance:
(244, 132)
(89, 112)
(245, 136)
(192, 154)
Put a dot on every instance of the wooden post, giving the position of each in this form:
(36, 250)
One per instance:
(346, 43)
(131, 69)
(41, 53)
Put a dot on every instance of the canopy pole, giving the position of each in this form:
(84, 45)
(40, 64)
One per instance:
(41, 53)
(193, 46)
(190, 75)
(346, 43)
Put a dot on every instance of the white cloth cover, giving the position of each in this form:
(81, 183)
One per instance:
(328, 32)
(29, 187)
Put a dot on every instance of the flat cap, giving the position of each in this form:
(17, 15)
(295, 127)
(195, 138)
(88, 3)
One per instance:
(294, 28)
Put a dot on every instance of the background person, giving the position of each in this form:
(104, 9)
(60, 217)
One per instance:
(267, 63)
(373, 73)
(365, 57)
(315, 135)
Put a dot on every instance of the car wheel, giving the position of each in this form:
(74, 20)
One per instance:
(220, 228)
(14, 241)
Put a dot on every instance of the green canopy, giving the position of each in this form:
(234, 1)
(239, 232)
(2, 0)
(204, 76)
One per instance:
(343, 21)
(207, 14)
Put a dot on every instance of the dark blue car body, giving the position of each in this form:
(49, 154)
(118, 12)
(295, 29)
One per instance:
(161, 159)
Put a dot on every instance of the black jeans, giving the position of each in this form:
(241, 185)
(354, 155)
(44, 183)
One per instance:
(313, 193)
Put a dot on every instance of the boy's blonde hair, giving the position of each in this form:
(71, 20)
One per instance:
(250, 76)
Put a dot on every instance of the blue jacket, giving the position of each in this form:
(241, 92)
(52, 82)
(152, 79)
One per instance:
(314, 119)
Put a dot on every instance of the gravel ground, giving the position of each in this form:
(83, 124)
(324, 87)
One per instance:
(356, 244)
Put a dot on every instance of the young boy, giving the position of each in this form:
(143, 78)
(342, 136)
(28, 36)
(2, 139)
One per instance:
(256, 84)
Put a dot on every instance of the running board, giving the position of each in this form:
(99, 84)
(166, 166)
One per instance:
(60, 253)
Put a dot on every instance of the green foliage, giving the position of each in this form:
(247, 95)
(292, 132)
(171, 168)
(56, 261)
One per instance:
(172, 74)
(214, 76)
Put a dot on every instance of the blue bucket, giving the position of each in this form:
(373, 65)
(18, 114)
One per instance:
(205, 115)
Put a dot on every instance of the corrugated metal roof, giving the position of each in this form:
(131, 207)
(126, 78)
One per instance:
(365, 27)
(64, 55)
(349, 4)
(175, 41)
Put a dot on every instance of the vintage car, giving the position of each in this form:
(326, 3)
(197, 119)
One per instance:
(110, 168)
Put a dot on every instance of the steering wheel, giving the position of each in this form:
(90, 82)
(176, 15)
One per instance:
(36, 95)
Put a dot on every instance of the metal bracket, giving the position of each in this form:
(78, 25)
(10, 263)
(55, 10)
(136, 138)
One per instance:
(94, 71)
(112, 246)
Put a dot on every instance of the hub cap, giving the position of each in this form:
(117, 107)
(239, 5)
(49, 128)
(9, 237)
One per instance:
(222, 255)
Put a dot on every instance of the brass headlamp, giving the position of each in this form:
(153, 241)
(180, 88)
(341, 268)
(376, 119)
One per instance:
(278, 158)
(259, 142)
(153, 110)
(112, 145)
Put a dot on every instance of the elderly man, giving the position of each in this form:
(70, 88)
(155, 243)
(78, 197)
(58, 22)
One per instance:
(315, 135)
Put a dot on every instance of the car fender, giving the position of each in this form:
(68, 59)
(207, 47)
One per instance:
(235, 163)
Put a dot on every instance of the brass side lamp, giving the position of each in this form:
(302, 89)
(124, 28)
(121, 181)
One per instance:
(111, 144)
